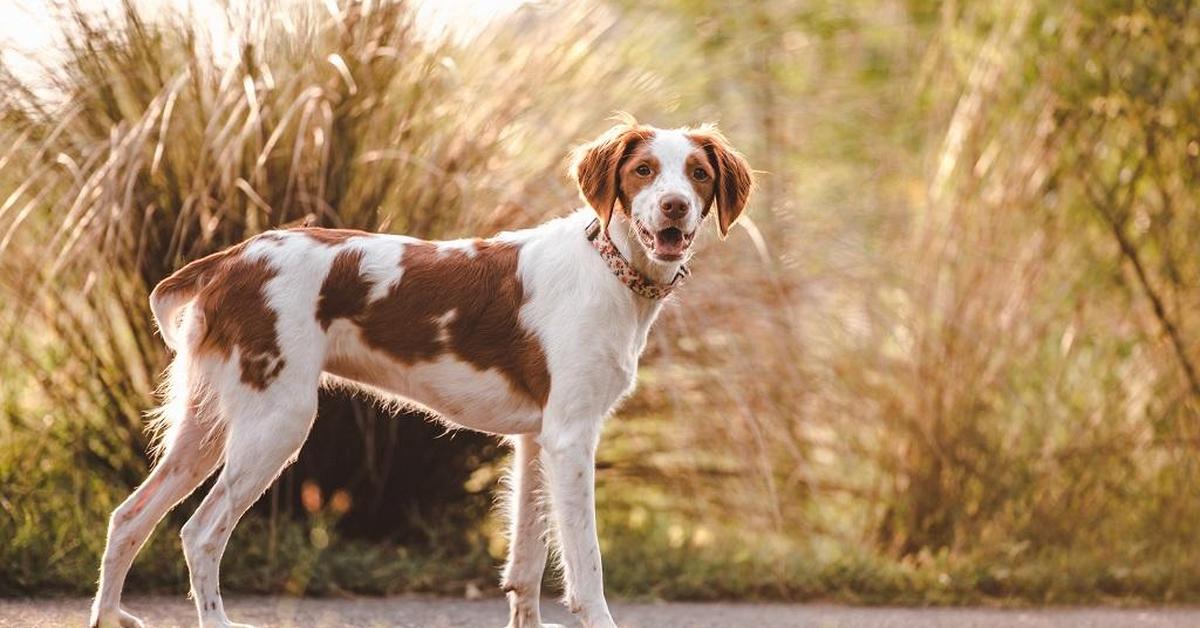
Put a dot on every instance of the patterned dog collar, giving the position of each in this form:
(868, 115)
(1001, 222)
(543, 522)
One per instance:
(630, 276)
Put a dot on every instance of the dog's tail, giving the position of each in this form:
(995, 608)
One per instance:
(185, 393)
(174, 292)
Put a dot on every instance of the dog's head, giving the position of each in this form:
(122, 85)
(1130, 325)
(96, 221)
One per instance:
(664, 182)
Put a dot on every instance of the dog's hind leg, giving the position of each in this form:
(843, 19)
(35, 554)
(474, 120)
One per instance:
(190, 456)
(262, 437)
(526, 540)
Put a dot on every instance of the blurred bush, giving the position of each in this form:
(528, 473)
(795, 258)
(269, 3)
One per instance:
(951, 356)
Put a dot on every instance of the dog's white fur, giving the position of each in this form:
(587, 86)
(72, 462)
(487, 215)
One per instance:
(591, 327)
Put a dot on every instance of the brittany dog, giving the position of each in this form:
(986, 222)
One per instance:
(533, 334)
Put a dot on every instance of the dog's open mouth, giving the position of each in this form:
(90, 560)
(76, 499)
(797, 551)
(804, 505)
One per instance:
(668, 244)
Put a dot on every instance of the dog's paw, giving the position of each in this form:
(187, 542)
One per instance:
(222, 622)
(120, 619)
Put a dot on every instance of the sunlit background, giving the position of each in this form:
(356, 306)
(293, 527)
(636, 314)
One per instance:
(950, 356)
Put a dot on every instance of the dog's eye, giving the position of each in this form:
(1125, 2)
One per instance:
(643, 170)
(699, 174)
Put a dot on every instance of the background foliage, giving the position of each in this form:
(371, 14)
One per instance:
(952, 356)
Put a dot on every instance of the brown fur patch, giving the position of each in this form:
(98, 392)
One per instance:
(629, 182)
(195, 274)
(329, 237)
(732, 179)
(344, 291)
(597, 166)
(485, 295)
(706, 189)
(236, 314)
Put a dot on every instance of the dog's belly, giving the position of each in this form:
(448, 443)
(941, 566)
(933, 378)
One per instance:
(468, 397)
(457, 391)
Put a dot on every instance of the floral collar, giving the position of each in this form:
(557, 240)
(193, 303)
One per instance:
(630, 276)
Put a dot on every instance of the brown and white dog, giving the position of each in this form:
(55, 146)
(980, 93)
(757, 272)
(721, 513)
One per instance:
(532, 334)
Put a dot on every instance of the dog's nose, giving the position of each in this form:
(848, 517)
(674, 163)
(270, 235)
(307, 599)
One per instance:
(673, 206)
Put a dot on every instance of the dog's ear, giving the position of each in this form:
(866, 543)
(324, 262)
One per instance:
(596, 165)
(734, 180)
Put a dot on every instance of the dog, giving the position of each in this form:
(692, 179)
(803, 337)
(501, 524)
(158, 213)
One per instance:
(533, 335)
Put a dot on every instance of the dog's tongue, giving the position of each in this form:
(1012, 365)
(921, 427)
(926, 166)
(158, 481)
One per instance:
(669, 242)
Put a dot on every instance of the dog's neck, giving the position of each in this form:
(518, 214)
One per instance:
(620, 232)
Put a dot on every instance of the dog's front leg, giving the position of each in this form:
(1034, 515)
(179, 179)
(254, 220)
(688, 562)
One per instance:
(568, 460)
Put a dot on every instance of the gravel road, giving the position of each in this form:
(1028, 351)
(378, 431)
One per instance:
(422, 612)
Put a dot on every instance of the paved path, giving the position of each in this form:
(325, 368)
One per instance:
(421, 612)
